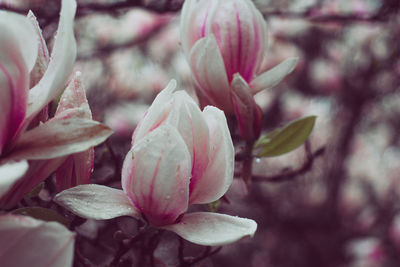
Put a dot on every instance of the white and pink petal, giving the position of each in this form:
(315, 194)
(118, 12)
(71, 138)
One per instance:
(217, 176)
(273, 76)
(157, 113)
(74, 96)
(37, 172)
(212, 229)
(11, 172)
(15, 63)
(156, 173)
(58, 138)
(209, 72)
(43, 57)
(247, 113)
(187, 118)
(29, 242)
(60, 65)
(97, 202)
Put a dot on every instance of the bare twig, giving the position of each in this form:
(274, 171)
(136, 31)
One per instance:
(289, 175)
(109, 49)
(125, 246)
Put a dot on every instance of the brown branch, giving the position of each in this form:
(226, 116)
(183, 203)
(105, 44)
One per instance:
(126, 245)
(350, 18)
(290, 175)
(110, 48)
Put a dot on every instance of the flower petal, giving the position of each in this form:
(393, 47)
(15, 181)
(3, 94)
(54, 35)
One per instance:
(43, 57)
(78, 167)
(97, 202)
(247, 112)
(15, 61)
(218, 175)
(75, 170)
(74, 96)
(213, 229)
(209, 72)
(23, 36)
(156, 174)
(9, 173)
(187, 118)
(61, 63)
(194, 16)
(29, 242)
(157, 112)
(273, 76)
(59, 138)
(37, 172)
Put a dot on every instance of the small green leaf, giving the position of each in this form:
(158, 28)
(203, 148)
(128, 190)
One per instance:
(35, 191)
(267, 138)
(43, 214)
(281, 141)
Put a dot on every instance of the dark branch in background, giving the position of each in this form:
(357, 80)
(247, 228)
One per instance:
(50, 14)
(290, 175)
(106, 50)
(388, 9)
(158, 6)
(351, 18)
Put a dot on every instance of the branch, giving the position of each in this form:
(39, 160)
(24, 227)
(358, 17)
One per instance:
(348, 18)
(110, 48)
(289, 175)
(155, 6)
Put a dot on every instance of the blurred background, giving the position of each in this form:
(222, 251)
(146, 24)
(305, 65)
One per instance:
(332, 202)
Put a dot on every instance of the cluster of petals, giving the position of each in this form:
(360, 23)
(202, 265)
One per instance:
(224, 42)
(30, 79)
(180, 156)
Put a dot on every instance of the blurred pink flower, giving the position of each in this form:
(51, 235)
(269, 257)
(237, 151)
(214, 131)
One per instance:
(224, 42)
(179, 156)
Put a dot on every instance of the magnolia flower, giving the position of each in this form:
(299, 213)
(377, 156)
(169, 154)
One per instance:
(29, 242)
(29, 80)
(179, 156)
(224, 42)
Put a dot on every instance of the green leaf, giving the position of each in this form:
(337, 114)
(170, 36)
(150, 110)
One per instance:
(267, 138)
(43, 214)
(281, 141)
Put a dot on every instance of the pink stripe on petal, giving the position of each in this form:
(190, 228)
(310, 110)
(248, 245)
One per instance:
(216, 178)
(13, 96)
(156, 174)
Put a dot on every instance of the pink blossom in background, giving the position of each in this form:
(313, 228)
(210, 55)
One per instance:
(224, 42)
(179, 156)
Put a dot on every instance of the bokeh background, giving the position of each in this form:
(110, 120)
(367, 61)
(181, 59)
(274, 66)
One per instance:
(332, 202)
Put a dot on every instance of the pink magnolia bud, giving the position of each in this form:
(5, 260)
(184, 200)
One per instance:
(224, 41)
(180, 156)
(238, 28)
(188, 154)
